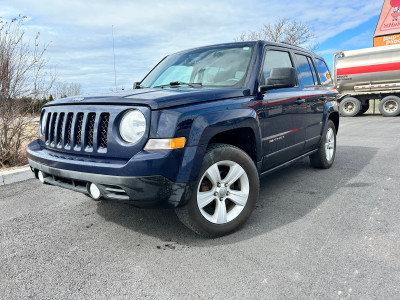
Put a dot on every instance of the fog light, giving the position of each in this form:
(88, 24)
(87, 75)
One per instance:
(41, 176)
(94, 191)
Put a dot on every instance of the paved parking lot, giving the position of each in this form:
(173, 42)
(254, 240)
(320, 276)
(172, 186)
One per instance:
(315, 234)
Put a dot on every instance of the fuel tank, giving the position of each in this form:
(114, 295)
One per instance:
(368, 71)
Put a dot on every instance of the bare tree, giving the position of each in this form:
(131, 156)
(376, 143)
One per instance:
(22, 75)
(66, 89)
(284, 31)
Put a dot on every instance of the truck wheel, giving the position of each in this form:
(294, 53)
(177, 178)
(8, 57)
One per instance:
(225, 193)
(325, 155)
(364, 108)
(390, 106)
(349, 107)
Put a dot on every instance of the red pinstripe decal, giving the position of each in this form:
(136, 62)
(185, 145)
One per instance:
(280, 134)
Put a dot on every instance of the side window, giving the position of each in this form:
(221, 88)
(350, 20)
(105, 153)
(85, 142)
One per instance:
(304, 70)
(276, 59)
(323, 72)
(314, 73)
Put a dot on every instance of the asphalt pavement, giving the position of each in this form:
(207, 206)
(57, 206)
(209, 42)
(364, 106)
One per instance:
(315, 234)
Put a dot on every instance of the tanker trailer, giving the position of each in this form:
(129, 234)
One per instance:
(368, 74)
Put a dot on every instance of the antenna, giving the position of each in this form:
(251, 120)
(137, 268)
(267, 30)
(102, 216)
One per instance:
(115, 72)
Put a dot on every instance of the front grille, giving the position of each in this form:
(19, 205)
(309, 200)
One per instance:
(76, 131)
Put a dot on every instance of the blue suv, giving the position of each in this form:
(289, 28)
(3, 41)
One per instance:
(196, 133)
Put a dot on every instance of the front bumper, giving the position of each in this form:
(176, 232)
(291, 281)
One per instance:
(146, 191)
(130, 181)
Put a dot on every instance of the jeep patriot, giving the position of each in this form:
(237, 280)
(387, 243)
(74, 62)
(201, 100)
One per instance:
(196, 133)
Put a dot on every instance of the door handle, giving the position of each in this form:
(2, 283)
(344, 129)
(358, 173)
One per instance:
(299, 101)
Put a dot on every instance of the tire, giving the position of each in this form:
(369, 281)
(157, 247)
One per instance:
(350, 107)
(325, 156)
(225, 193)
(364, 108)
(390, 106)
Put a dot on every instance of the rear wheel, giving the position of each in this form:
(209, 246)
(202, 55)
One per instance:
(225, 193)
(325, 155)
(390, 106)
(350, 107)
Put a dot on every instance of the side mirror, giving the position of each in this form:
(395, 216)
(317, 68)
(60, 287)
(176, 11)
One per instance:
(136, 85)
(279, 78)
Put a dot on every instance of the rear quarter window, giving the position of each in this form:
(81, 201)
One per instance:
(304, 70)
(323, 72)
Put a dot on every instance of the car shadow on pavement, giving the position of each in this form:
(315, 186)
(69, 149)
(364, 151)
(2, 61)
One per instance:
(285, 196)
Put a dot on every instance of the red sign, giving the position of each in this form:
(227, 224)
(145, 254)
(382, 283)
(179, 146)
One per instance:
(389, 20)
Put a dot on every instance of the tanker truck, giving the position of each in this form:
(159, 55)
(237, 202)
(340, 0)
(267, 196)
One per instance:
(368, 74)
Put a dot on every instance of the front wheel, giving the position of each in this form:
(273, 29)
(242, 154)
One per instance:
(325, 155)
(225, 193)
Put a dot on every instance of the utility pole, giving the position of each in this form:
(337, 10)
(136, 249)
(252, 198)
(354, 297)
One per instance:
(115, 72)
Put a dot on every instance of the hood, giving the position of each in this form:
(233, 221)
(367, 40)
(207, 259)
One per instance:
(155, 98)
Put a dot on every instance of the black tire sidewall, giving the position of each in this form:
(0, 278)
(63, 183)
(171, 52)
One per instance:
(220, 153)
(328, 164)
(389, 98)
(318, 159)
(355, 101)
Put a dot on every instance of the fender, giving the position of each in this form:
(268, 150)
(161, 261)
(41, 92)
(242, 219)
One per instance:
(208, 125)
(331, 107)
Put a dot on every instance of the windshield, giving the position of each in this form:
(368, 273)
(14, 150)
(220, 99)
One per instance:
(219, 66)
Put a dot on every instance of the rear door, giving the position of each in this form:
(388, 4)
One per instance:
(283, 124)
(314, 95)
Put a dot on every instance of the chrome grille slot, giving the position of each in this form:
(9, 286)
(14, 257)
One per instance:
(104, 120)
(53, 128)
(90, 128)
(78, 131)
(47, 128)
(115, 192)
(69, 129)
(60, 125)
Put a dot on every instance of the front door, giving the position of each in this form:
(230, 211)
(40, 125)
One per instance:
(283, 124)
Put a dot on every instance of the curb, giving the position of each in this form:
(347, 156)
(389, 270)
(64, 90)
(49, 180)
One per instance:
(13, 176)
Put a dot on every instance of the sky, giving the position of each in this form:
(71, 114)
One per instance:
(80, 33)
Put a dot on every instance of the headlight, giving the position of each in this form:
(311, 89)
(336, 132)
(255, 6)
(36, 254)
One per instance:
(165, 144)
(42, 124)
(132, 126)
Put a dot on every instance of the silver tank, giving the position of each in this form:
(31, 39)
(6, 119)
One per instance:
(368, 71)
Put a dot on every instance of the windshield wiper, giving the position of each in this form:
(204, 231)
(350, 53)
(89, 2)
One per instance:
(178, 83)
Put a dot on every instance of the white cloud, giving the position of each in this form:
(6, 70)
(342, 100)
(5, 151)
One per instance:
(145, 31)
(362, 40)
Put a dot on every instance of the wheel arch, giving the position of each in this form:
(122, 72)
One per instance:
(243, 138)
(238, 127)
(334, 117)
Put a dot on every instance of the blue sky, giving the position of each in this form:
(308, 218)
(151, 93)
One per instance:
(80, 38)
